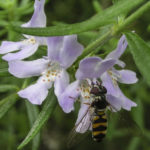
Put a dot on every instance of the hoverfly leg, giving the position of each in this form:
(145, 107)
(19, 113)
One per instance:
(98, 83)
(112, 109)
(87, 104)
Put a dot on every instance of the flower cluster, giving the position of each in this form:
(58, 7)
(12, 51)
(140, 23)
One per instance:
(90, 70)
(62, 51)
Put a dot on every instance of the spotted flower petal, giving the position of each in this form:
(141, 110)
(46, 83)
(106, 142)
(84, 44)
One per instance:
(64, 49)
(93, 67)
(22, 69)
(69, 96)
(36, 93)
(38, 18)
(61, 82)
(24, 53)
(108, 84)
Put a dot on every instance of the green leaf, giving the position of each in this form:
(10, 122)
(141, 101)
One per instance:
(43, 116)
(138, 114)
(7, 87)
(134, 143)
(33, 112)
(101, 19)
(7, 103)
(87, 37)
(141, 54)
(97, 6)
(4, 72)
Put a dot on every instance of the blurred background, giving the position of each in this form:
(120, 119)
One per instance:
(126, 130)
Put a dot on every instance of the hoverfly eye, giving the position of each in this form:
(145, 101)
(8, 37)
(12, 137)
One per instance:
(94, 90)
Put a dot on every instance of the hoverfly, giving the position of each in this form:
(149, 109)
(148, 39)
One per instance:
(96, 116)
(99, 105)
(95, 113)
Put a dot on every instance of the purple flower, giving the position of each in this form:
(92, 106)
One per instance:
(90, 69)
(115, 97)
(28, 46)
(62, 52)
(81, 87)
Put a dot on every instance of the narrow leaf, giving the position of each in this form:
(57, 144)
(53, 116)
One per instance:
(7, 87)
(97, 6)
(4, 72)
(32, 111)
(101, 19)
(134, 143)
(44, 115)
(7, 103)
(138, 114)
(141, 54)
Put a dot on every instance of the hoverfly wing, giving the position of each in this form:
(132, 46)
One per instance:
(75, 138)
(81, 129)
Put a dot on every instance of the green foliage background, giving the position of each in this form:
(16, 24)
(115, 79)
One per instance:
(127, 130)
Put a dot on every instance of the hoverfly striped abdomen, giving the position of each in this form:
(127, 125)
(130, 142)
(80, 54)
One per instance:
(99, 126)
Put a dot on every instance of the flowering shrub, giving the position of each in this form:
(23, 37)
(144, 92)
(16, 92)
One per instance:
(73, 63)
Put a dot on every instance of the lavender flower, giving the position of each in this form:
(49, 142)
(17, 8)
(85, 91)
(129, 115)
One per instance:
(89, 70)
(62, 52)
(81, 87)
(30, 45)
(114, 96)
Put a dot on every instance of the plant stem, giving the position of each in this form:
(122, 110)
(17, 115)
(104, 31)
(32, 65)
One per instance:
(94, 45)
(100, 41)
(133, 17)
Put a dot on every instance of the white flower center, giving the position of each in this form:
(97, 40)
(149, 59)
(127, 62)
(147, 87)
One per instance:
(114, 76)
(30, 40)
(85, 89)
(53, 70)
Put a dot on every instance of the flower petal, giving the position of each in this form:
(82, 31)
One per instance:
(40, 40)
(69, 96)
(83, 122)
(112, 89)
(126, 102)
(23, 53)
(64, 49)
(54, 46)
(115, 102)
(120, 63)
(122, 45)
(8, 46)
(70, 51)
(93, 67)
(22, 69)
(61, 83)
(119, 101)
(127, 76)
(36, 93)
(38, 18)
